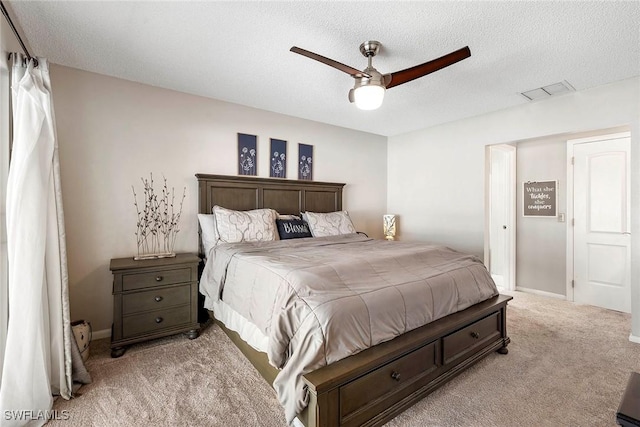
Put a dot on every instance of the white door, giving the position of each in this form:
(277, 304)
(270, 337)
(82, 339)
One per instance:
(602, 239)
(501, 213)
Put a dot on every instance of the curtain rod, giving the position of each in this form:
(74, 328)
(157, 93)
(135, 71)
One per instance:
(15, 32)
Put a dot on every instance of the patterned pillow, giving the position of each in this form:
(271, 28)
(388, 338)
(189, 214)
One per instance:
(329, 224)
(258, 225)
(292, 229)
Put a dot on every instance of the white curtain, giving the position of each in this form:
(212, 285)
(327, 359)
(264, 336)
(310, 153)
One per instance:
(38, 354)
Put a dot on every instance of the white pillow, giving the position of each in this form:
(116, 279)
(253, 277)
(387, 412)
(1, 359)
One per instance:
(258, 225)
(208, 232)
(280, 216)
(329, 224)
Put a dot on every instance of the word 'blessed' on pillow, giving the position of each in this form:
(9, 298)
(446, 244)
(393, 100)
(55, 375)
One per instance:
(292, 229)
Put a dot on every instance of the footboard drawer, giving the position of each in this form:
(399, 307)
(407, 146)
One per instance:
(386, 385)
(471, 338)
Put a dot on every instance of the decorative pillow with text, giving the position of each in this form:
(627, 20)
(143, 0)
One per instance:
(292, 229)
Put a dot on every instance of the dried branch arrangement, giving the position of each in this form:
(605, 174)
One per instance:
(158, 220)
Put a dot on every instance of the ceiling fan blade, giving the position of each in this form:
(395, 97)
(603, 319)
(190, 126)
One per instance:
(404, 76)
(330, 62)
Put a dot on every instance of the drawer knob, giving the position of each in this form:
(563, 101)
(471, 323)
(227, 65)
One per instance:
(159, 278)
(395, 375)
(475, 335)
(159, 319)
(158, 298)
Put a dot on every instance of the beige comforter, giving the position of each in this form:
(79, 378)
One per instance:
(319, 300)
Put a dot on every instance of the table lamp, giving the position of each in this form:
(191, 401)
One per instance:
(389, 226)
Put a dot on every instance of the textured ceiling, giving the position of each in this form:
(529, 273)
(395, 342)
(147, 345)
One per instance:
(239, 51)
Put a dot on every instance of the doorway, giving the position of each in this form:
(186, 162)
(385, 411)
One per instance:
(598, 237)
(500, 214)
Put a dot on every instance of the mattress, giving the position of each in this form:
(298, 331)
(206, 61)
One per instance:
(319, 300)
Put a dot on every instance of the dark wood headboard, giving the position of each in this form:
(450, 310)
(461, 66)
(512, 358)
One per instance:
(285, 196)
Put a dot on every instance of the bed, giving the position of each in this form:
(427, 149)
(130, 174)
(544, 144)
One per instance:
(369, 383)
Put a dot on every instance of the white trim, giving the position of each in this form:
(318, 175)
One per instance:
(487, 205)
(512, 216)
(604, 137)
(511, 150)
(104, 333)
(541, 293)
(570, 223)
(634, 339)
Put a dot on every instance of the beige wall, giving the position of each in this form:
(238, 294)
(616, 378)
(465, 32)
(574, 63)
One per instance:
(436, 175)
(112, 132)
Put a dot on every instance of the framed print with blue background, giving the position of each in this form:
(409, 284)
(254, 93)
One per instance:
(278, 165)
(247, 154)
(305, 165)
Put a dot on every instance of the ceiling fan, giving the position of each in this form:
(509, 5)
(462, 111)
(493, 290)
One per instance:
(370, 85)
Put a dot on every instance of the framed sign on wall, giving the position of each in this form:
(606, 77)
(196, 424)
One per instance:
(540, 198)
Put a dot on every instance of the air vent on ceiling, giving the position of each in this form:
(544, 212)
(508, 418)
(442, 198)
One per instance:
(547, 91)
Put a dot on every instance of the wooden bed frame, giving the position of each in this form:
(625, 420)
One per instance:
(375, 385)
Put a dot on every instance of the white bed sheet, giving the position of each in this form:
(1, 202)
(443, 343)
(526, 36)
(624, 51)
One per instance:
(247, 331)
(234, 321)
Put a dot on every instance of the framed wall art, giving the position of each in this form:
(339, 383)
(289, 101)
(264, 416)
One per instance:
(305, 165)
(247, 154)
(540, 198)
(278, 162)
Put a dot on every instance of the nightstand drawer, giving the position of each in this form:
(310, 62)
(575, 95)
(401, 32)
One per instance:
(152, 321)
(156, 299)
(155, 278)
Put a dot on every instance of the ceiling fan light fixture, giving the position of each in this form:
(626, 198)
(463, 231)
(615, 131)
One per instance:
(368, 97)
(368, 92)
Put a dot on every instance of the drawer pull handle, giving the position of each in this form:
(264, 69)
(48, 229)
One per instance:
(475, 335)
(159, 319)
(395, 375)
(158, 298)
(159, 278)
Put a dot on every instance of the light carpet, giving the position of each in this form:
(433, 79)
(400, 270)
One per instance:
(568, 365)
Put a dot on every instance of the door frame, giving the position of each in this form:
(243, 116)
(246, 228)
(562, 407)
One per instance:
(511, 150)
(571, 143)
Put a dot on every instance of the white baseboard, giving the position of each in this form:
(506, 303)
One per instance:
(97, 335)
(634, 339)
(541, 293)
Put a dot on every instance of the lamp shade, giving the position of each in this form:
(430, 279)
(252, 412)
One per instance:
(389, 226)
(368, 97)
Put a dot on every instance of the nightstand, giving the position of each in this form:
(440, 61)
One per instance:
(153, 298)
